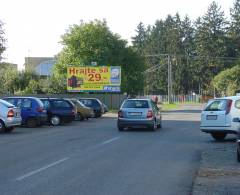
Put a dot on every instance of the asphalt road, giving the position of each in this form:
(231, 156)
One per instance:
(92, 157)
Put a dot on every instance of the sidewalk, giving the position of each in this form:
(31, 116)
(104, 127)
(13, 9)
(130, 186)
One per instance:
(219, 172)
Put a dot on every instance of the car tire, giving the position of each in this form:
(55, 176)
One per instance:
(31, 123)
(2, 127)
(9, 129)
(238, 155)
(120, 128)
(154, 126)
(80, 116)
(159, 126)
(219, 136)
(55, 120)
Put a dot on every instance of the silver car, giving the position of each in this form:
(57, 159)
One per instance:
(10, 116)
(139, 113)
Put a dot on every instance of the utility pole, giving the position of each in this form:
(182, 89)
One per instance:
(169, 80)
(169, 65)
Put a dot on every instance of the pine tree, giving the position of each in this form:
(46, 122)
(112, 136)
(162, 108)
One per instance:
(2, 40)
(211, 42)
(139, 40)
(235, 28)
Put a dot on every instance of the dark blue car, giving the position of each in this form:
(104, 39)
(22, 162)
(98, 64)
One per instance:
(59, 110)
(32, 110)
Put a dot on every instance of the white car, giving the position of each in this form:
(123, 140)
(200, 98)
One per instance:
(10, 116)
(221, 116)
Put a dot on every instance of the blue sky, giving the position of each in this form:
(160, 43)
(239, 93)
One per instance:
(34, 27)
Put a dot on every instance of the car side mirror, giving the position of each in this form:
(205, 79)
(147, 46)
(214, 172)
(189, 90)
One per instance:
(236, 120)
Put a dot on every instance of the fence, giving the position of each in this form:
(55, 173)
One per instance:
(176, 98)
(114, 101)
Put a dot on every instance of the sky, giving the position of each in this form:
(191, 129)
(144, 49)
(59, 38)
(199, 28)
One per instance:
(34, 27)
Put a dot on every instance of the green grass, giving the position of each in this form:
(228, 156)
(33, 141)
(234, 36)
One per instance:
(167, 106)
(113, 111)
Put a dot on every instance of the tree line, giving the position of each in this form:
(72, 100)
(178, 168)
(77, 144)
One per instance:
(204, 54)
(199, 50)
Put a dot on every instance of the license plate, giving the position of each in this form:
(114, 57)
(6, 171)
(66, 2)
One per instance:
(211, 117)
(135, 113)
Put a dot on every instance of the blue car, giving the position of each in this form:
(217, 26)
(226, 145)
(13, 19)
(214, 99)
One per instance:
(32, 110)
(59, 110)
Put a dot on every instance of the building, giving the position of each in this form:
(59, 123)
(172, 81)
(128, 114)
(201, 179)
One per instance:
(42, 66)
(5, 65)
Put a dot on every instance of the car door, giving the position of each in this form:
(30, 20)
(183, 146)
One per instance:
(47, 106)
(214, 115)
(26, 108)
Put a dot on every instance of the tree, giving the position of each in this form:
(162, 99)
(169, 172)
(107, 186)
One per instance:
(210, 42)
(94, 42)
(227, 82)
(2, 40)
(234, 30)
(139, 40)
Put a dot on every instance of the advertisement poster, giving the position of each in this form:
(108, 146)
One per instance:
(93, 79)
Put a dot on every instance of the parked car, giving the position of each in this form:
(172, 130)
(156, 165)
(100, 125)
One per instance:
(139, 113)
(95, 104)
(83, 112)
(105, 108)
(32, 111)
(10, 116)
(221, 116)
(59, 110)
(238, 147)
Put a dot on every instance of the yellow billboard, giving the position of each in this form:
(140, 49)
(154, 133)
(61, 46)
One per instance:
(90, 78)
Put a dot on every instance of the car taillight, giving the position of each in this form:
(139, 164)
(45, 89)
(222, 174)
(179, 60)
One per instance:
(10, 113)
(39, 109)
(150, 114)
(120, 114)
(229, 105)
(74, 111)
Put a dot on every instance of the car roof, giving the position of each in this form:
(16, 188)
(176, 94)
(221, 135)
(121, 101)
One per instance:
(88, 98)
(21, 97)
(52, 98)
(146, 99)
(228, 97)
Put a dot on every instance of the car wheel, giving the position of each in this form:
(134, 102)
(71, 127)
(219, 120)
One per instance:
(219, 136)
(120, 128)
(80, 116)
(9, 129)
(154, 126)
(159, 125)
(55, 120)
(238, 155)
(31, 123)
(2, 127)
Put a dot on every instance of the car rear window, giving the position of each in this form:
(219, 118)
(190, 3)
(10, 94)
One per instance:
(90, 102)
(39, 102)
(217, 105)
(5, 103)
(136, 104)
(46, 104)
(61, 104)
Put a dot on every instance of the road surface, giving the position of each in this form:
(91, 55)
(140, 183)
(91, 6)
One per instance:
(92, 157)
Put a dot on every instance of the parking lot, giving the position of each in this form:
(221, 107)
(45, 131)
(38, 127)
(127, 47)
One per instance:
(93, 157)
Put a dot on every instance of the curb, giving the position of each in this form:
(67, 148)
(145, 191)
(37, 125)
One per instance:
(219, 171)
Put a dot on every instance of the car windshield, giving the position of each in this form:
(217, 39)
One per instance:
(217, 105)
(136, 104)
(80, 103)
